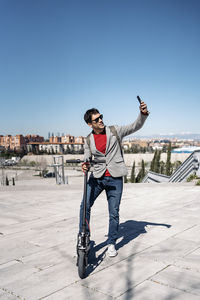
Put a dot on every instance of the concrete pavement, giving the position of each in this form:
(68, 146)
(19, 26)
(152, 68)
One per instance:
(158, 245)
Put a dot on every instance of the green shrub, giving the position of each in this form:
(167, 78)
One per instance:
(125, 179)
(192, 177)
(24, 162)
(32, 163)
(198, 182)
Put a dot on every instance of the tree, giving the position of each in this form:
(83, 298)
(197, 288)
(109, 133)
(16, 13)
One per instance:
(152, 167)
(125, 179)
(141, 173)
(164, 149)
(168, 162)
(157, 162)
(143, 169)
(162, 167)
(32, 163)
(42, 164)
(132, 179)
(176, 165)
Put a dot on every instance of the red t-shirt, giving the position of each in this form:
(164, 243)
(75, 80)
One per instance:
(100, 142)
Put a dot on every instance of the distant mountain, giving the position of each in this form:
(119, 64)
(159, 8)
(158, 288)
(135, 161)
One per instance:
(181, 136)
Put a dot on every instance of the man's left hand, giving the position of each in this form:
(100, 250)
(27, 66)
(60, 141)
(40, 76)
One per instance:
(143, 108)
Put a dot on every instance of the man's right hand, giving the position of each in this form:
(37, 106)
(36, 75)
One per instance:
(143, 108)
(85, 166)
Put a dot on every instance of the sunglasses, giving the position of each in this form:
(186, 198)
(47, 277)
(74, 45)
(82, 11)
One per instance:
(97, 119)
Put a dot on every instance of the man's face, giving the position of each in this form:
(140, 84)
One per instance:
(97, 123)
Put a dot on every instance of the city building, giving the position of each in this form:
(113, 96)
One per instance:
(13, 142)
(188, 149)
(55, 147)
(58, 144)
(34, 138)
(69, 144)
(18, 142)
(67, 139)
(127, 145)
(55, 139)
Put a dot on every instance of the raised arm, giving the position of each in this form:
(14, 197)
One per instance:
(131, 128)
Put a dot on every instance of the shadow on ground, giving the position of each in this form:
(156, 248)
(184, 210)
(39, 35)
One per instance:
(128, 231)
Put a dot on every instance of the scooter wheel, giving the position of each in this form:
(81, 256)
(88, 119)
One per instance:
(81, 264)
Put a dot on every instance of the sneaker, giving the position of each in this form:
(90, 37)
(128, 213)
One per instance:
(111, 250)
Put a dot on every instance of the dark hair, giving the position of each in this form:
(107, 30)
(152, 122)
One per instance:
(89, 113)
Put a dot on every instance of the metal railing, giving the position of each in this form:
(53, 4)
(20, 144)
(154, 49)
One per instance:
(190, 166)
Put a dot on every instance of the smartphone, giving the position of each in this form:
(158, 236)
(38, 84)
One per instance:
(138, 97)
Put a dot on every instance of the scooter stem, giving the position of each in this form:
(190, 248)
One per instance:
(85, 202)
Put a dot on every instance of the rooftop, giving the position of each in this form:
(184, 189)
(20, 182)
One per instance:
(188, 149)
(158, 245)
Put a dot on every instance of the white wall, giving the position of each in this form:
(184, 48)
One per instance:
(129, 158)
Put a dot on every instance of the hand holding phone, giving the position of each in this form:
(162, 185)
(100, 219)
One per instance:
(143, 106)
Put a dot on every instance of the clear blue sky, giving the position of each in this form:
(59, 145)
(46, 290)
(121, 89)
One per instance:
(58, 58)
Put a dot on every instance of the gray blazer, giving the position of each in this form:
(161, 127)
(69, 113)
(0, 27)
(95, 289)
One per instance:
(113, 157)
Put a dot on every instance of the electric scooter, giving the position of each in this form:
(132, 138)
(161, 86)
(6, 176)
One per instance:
(83, 240)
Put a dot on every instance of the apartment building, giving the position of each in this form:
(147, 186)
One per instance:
(13, 142)
(55, 139)
(55, 147)
(2, 148)
(79, 139)
(34, 138)
(18, 142)
(67, 139)
(139, 143)
(58, 144)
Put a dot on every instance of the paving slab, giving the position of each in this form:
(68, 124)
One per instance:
(190, 234)
(118, 278)
(6, 295)
(39, 222)
(15, 270)
(50, 257)
(77, 291)
(158, 245)
(153, 290)
(13, 248)
(181, 279)
(170, 250)
(45, 282)
(190, 262)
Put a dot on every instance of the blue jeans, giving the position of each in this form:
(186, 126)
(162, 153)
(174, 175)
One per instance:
(113, 188)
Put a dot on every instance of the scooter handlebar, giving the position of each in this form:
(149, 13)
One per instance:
(73, 161)
(77, 161)
(97, 161)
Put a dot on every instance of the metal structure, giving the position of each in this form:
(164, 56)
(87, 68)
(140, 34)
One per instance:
(190, 166)
(58, 164)
(3, 178)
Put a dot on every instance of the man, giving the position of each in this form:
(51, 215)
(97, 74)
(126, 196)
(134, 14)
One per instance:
(103, 143)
